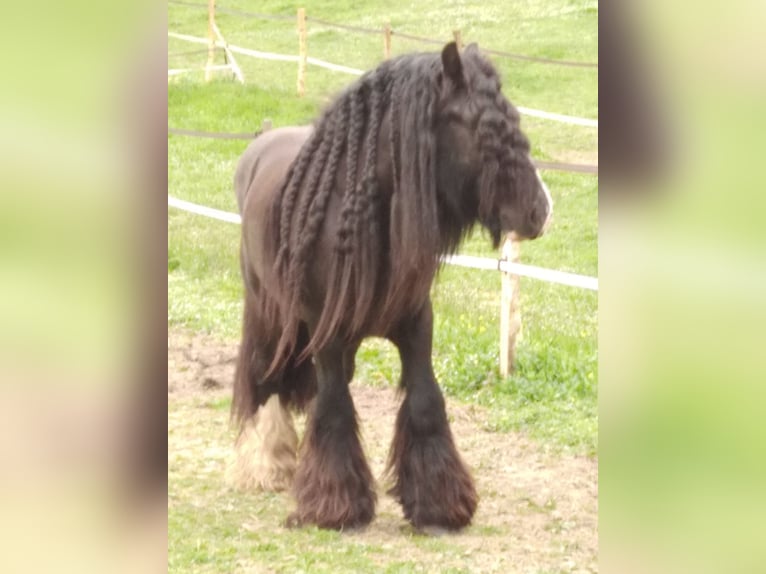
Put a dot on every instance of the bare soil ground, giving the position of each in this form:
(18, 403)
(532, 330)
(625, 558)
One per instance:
(538, 510)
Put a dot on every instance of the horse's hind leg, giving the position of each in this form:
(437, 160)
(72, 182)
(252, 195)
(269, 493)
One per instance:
(333, 484)
(432, 483)
(265, 449)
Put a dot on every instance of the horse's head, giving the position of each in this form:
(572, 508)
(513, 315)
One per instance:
(484, 166)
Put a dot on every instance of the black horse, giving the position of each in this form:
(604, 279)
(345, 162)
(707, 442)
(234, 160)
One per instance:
(343, 227)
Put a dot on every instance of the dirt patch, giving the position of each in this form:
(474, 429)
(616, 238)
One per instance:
(198, 364)
(538, 510)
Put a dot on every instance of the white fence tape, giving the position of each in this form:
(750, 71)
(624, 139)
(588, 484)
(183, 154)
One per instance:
(334, 67)
(470, 261)
(558, 117)
(202, 210)
(356, 72)
(549, 275)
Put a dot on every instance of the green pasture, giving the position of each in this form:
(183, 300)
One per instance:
(551, 397)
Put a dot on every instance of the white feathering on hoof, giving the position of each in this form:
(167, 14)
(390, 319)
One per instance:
(265, 451)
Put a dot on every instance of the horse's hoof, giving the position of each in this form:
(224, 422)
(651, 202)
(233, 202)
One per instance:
(351, 526)
(248, 477)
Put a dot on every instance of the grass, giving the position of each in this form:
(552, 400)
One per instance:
(212, 528)
(552, 395)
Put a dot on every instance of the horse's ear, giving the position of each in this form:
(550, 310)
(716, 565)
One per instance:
(472, 48)
(453, 67)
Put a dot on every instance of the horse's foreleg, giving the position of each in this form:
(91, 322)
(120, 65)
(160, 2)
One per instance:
(432, 483)
(333, 484)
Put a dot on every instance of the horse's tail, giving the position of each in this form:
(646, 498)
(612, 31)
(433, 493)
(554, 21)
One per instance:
(256, 379)
(248, 393)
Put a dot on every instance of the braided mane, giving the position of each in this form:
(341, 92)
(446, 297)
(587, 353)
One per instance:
(387, 245)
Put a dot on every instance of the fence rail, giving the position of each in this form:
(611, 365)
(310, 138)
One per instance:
(213, 135)
(540, 164)
(470, 261)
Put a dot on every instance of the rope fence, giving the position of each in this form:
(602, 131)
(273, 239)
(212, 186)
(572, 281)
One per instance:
(212, 135)
(540, 164)
(215, 41)
(561, 118)
(375, 31)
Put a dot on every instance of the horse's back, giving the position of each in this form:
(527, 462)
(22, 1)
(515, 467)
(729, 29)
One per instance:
(267, 159)
(257, 181)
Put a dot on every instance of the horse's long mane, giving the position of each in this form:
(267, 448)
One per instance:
(387, 249)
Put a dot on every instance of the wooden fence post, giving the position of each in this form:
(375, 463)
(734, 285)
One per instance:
(302, 51)
(510, 310)
(210, 40)
(458, 39)
(227, 53)
(387, 41)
